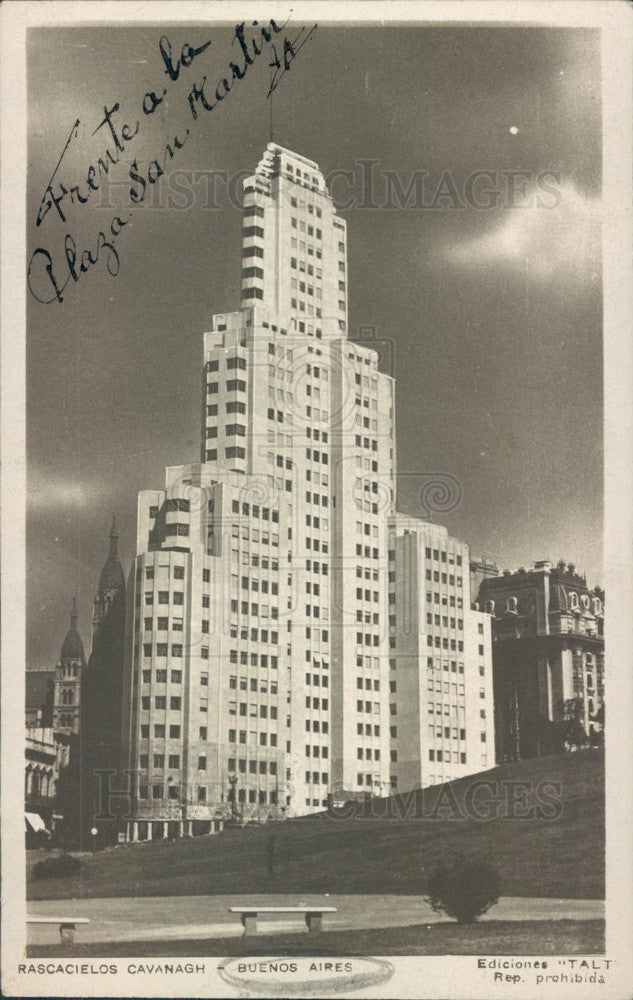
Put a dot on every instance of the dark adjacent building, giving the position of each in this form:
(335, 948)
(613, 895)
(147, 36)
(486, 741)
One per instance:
(101, 703)
(40, 686)
(548, 658)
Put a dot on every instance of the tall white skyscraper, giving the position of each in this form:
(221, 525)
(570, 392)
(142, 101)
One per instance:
(257, 674)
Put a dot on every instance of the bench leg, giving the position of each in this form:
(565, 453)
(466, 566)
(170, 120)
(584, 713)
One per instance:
(67, 933)
(313, 920)
(249, 922)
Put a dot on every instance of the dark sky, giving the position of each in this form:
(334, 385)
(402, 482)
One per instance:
(490, 318)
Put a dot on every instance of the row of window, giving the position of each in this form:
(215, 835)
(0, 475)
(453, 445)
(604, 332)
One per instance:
(317, 456)
(437, 665)
(177, 597)
(230, 430)
(162, 648)
(178, 572)
(255, 634)
(444, 643)
(318, 704)
(440, 755)
(233, 406)
(311, 208)
(301, 287)
(160, 677)
(241, 736)
(242, 766)
(368, 706)
(317, 567)
(160, 702)
(243, 710)
(367, 639)
(253, 534)
(172, 792)
(232, 363)
(435, 620)
(367, 617)
(437, 598)
(177, 624)
(254, 510)
(255, 609)
(316, 545)
(444, 578)
(368, 779)
(231, 452)
(301, 226)
(245, 658)
(365, 442)
(316, 777)
(367, 729)
(438, 556)
(311, 310)
(160, 731)
(252, 251)
(368, 684)
(366, 551)
(316, 726)
(232, 385)
(254, 685)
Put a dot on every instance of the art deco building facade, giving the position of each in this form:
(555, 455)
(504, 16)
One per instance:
(257, 665)
(442, 717)
(548, 655)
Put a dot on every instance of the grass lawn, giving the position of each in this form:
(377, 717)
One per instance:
(387, 846)
(492, 937)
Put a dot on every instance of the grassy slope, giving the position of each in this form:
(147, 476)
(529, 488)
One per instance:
(494, 937)
(536, 857)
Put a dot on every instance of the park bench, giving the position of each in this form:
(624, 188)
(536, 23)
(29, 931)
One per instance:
(313, 915)
(66, 925)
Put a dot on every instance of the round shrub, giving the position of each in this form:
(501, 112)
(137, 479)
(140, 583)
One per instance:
(58, 867)
(463, 887)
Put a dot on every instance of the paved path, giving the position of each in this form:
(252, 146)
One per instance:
(189, 917)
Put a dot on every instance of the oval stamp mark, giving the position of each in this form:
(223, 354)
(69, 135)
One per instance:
(303, 976)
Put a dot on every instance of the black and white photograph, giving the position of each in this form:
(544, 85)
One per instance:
(309, 630)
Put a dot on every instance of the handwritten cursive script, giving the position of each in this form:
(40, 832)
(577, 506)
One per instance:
(48, 276)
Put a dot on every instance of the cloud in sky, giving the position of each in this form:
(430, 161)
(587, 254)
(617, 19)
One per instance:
(553, 244)
(46, 493)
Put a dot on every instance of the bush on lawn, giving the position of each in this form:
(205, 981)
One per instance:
(58, 867)
(463, 888)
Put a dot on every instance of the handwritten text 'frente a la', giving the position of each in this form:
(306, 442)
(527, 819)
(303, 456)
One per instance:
(48, 273)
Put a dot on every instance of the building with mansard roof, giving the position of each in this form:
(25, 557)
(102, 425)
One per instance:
(548, 656)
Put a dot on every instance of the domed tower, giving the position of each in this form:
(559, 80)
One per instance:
(68, 679)
(101, 693)
(111, 586)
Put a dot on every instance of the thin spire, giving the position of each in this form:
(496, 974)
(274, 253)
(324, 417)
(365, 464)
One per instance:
(73, 614)
(270, 98)
(114, 536)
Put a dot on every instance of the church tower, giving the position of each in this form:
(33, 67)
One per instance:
(111, 594)
(101, 693)
(68, 677)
